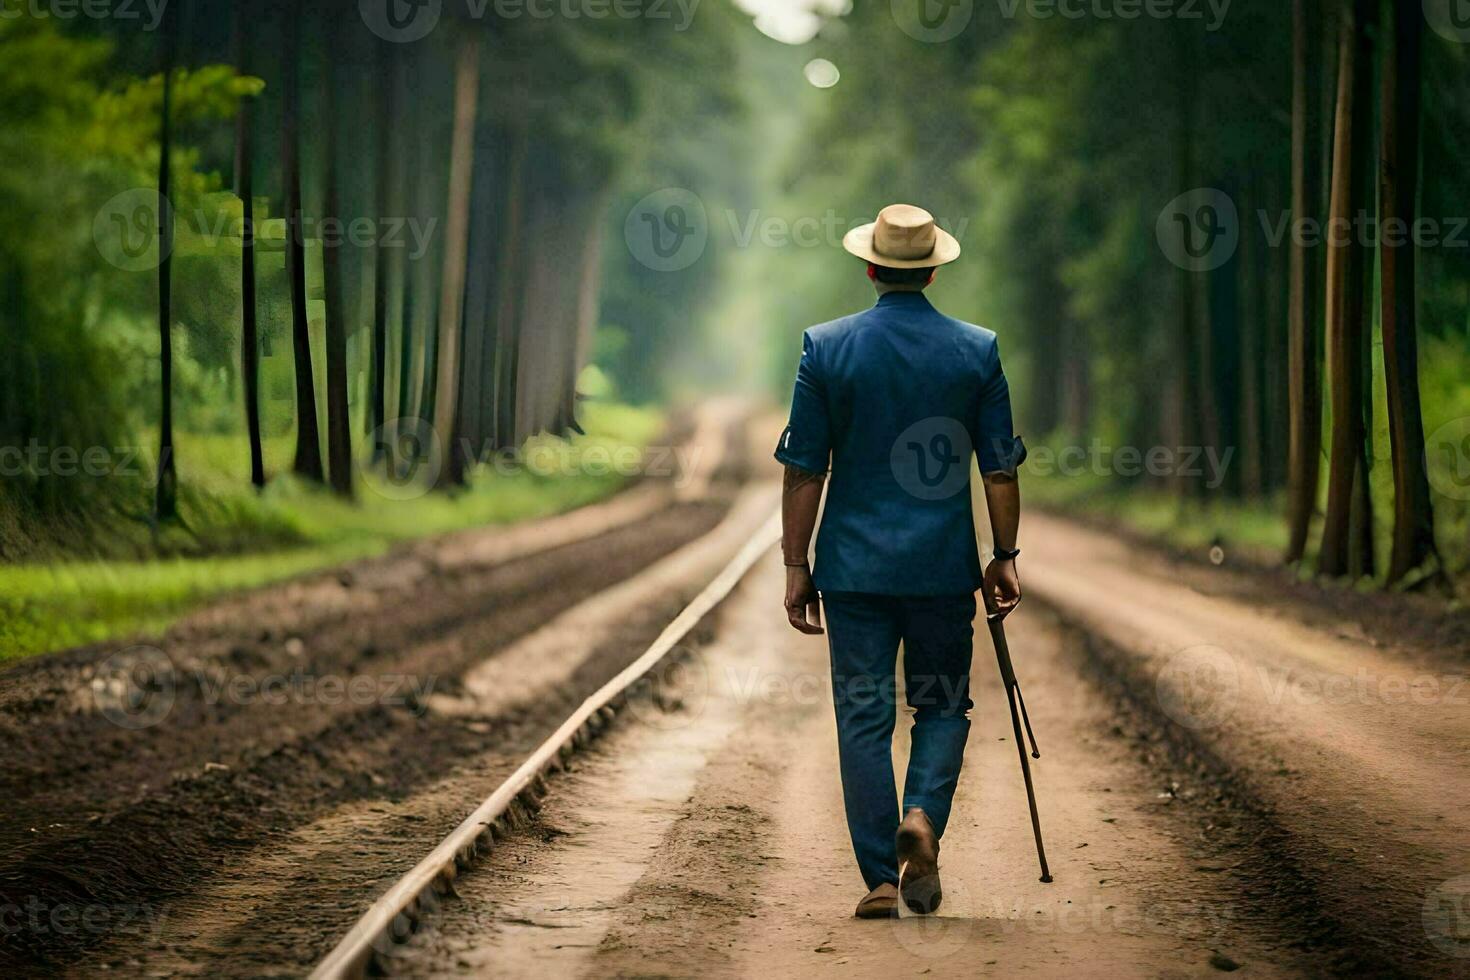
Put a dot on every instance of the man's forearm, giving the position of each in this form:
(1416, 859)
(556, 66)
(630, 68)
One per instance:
(801, 498)
(1003, 501)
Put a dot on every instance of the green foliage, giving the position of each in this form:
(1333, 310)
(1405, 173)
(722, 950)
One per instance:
(125, 123)
(77, 328)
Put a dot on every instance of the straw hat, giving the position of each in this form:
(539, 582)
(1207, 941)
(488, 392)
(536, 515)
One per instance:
(903, 237)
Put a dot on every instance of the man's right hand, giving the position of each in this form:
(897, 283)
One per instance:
(1002, 589)
(803, 608)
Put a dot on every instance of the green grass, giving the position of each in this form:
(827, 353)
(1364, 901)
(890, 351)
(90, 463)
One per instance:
(237, 539)
(1255, 527)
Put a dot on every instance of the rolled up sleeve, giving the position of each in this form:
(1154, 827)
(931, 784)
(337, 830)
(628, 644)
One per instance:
(807, 442)
(998, 448)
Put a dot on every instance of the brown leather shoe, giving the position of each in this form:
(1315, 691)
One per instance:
(918, 863)
(881, 903)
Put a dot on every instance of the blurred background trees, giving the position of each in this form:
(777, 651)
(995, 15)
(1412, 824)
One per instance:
(1067, 143)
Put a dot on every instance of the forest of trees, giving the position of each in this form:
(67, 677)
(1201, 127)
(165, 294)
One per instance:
(372, 243)
(369, 244)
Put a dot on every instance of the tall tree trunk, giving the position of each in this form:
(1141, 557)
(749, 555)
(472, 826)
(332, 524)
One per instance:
(1192, 381)
(1304, 391)
(1413, 516)
(420, 310)
(339, 418)
(512, 270)
(1361, 560)
(308, 462)
(1276, 412)
(1345, 307)
(1251, 274)
(245, 190)
(477, 379)
(548, 310)
(1221, 362)
(387, 115)
(166, 489)
(451, 297)
(401, 339)
(406, 347)
(589, 280)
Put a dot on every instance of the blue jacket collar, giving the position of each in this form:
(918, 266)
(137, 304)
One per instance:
(905, 300)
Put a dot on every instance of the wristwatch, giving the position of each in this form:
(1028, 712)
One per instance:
(1002, 554)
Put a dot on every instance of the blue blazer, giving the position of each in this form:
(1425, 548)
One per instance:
(896, 401)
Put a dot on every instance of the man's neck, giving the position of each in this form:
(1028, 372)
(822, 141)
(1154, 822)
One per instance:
(885, 288)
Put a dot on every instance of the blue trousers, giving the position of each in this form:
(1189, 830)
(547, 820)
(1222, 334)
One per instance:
(863, 634)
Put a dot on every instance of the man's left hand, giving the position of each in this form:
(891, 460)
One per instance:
(803, 610)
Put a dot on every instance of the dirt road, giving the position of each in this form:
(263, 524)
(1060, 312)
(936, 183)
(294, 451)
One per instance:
(1351, 745)
(708, 841)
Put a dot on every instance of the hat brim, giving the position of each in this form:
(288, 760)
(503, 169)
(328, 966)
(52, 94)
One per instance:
(859, 242)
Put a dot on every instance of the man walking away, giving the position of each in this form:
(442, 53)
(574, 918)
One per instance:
(890, 406)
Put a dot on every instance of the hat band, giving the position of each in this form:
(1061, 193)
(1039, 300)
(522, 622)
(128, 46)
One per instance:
(908, 254)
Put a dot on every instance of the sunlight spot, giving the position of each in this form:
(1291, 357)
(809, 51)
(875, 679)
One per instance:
(821, 73)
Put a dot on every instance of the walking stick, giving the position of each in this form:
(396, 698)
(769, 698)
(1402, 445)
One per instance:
(1013, 697)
